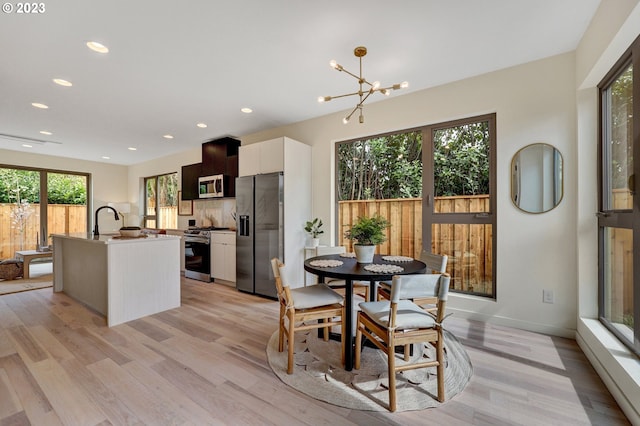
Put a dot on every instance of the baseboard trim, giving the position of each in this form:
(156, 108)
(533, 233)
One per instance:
(511, 322)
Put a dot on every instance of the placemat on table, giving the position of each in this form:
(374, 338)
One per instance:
(385, 269)
(326, 263)
(397, 258)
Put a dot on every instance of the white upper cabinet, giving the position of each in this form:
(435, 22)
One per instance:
(262, 157)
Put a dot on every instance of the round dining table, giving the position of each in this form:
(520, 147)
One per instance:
(349, 271)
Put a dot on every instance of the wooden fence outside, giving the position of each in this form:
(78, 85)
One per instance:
(469, 247)
(168, 217)
(62, 218)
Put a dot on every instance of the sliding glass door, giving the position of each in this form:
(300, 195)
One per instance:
(20, 210)
(37, 203)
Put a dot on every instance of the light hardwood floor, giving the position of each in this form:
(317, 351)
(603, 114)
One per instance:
(205, 363)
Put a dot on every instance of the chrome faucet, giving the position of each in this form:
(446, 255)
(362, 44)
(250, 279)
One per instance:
(96, 232)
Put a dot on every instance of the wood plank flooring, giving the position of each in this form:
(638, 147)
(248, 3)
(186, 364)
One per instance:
(205, 363)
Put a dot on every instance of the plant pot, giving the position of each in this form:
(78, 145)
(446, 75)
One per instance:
(315, 242)
(364, 254)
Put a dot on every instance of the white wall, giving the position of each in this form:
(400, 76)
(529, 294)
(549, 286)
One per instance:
(109, 182)
(534, 102)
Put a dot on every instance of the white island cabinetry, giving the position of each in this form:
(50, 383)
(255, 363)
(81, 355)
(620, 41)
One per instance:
(123, 279)
(223, 255)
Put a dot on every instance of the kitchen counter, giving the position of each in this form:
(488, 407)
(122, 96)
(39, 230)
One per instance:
(121, 278)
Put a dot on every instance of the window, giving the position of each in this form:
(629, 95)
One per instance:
(38, 203)
(438, 191)
(459, 200)
(161, 201)
(618, 280)
(382, 175)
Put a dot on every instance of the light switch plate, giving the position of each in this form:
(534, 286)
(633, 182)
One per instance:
(547, 296)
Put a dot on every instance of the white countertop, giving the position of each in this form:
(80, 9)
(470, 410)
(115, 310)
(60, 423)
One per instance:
(115, 238)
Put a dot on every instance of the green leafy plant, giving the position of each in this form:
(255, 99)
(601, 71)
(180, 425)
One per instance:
(368, 230)
(314, 227)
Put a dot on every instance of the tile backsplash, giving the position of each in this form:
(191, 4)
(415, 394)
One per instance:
(213, 212)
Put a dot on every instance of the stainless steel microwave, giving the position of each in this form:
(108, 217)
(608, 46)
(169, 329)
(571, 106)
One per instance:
(211, 186)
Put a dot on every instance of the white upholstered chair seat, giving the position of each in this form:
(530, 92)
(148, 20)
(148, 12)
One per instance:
(408, 316)
(314, 296)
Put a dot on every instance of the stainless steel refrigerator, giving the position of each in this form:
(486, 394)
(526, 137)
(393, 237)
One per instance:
(260, 232)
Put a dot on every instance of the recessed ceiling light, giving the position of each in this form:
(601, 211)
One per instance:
(62, 82)
(132, 148)
(168, 136)
(201, 125)
(39, 105)
(104, 157)
(246, 110)
(46, 132)
(97, 47)
(27, 145)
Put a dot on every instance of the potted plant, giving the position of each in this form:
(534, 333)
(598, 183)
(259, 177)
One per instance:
(367, 232)
(313, 228)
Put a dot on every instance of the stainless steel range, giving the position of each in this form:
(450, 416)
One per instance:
(197, 253)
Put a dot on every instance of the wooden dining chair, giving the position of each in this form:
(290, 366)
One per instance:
(360, 288)
(303, 304)
(436, 264)
(400, 322)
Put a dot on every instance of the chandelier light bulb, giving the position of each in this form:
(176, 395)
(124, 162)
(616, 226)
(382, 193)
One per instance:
(404, 84)
(376, 84)
(333, 63)
(345, 120)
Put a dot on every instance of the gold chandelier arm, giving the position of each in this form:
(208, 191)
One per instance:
(365, 98)
(348, 117)
(342, 96)
(342, 69)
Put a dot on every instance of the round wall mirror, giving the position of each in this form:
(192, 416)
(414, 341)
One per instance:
(536, 178)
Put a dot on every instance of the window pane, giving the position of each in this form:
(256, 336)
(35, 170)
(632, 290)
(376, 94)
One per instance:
(168, 201)
(469, 248)
(20, 205)
(618, 280)
(67, 204)
(461, 162)
(618, 155)
(385, 167)
(150, 195)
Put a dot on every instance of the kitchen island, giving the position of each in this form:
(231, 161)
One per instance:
(121, 278)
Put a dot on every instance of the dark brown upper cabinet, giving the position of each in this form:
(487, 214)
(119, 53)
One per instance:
(220, 157)
(190, 175)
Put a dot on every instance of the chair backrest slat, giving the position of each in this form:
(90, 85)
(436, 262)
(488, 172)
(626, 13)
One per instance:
(436, 263)
(435, 286)
(412, 286)
(282, 286)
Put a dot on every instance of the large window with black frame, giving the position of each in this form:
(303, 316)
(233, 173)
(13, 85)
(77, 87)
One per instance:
(435, 186)
(618, 232)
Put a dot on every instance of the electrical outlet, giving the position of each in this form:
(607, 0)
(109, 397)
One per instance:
(547, 296)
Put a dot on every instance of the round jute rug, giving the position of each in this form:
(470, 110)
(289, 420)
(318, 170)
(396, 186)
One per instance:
(318, 373)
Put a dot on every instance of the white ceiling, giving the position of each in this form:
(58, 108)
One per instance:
(173, 64)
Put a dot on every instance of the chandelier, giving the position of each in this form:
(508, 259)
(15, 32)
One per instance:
(366, 88)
